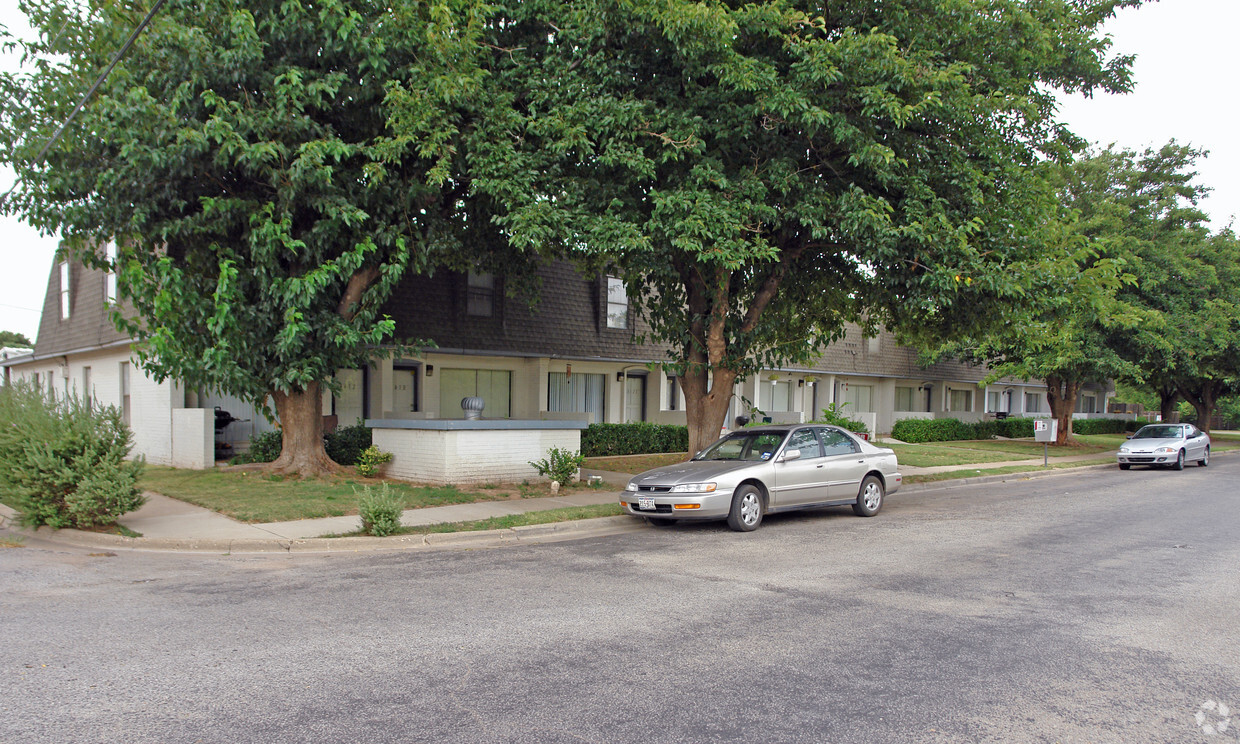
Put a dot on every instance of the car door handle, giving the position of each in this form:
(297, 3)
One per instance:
(820, 465)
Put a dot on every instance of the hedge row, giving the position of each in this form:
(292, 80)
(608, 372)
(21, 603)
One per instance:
(344, 445)
(950, 429)
(638, 438)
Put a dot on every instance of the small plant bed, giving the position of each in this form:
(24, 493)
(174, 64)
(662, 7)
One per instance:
(1008, 470)
(255, 497)
(567, 514)
(634, 463)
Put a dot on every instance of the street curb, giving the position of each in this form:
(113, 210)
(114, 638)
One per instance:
(525, 535)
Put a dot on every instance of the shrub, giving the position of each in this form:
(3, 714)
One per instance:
(347, 443)
(1015, 428)
(1099, 426)
(380, 510)
(637, 438)
(834, 414)
(932, 430)
(369, 461)
(64, 461)
(559, 464)
(344, 445)
(264, 447)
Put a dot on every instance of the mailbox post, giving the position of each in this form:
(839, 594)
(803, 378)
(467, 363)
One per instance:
(1045, 431)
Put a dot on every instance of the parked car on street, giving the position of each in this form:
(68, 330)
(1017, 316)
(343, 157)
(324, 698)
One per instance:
(1165, 445)
(767, 469)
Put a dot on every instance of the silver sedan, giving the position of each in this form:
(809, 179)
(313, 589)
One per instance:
(764, 470)
(1167, 445)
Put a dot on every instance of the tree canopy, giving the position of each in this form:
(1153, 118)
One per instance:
(240, 156)
(13, 338)
(762, 173)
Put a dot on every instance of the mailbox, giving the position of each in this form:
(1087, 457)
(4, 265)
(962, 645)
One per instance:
(1045, 430)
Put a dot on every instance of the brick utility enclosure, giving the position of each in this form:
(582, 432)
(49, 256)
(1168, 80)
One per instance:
(460, 452)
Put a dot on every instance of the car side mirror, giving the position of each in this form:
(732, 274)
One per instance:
(792, 454)
(1127, 436)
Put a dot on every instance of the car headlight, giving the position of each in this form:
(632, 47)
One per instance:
(631, 486)
(1164, 450)
(693, 488)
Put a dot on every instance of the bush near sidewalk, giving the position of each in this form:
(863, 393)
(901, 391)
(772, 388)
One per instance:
(63, 461)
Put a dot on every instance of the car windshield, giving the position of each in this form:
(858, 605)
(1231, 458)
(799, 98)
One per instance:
(1157, 432)
(757, 445)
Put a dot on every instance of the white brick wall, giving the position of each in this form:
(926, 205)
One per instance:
(470, 456)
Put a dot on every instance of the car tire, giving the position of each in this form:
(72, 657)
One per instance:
(870, 497)
(747, 509)
(1179, 461)
(1124, 466)
(1205, 458)
(656, 522)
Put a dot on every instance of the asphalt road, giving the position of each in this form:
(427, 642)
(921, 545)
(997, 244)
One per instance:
(1094, 607)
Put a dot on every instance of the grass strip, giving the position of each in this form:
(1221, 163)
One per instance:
(549, 516)
(1009, 470)
(258, 497)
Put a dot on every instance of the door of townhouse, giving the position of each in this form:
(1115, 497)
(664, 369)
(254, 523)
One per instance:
(635, 398)
(404, 388)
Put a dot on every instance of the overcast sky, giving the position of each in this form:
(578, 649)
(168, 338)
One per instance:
(1185, 89)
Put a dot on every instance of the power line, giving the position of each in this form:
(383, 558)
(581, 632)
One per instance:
(98, 82)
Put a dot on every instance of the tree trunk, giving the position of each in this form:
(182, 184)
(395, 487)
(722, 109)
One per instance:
(706, 412)
(1204, 398)
(1168, 396)
(1061, 394)
(301, 422)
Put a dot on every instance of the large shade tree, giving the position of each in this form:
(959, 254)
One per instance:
(240, 156)
(1186, 279)
(761, 173)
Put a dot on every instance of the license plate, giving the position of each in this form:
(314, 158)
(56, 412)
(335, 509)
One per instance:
(645, 503)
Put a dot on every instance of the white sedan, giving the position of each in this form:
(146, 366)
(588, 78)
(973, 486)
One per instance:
(1165, 445)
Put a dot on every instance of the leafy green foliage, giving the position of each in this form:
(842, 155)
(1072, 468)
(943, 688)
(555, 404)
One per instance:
(637, 438)
(380, 510)
(762, 173)
(369, 461)
(915, 431)
(560, 465)
(1105, 426)
(65, 461)
(14, 339)
(264, 447)
(346, 444)
(834, 414)
(241, 156)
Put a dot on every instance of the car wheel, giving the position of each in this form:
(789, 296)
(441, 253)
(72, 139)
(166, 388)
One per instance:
(656, 522)
(870, 498)
(1124, 466)
(747, 509)
(1205, 458)
(1179, 461)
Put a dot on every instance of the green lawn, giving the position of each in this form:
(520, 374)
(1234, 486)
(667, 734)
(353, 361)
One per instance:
(634, 464)
(255, 497)
(969, 452)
